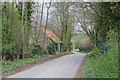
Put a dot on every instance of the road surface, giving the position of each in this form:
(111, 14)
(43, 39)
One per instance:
(62, 67)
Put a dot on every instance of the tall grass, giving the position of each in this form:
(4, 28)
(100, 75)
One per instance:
(77, 39)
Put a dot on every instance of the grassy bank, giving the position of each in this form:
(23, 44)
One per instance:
(101, 65)
(9, 65)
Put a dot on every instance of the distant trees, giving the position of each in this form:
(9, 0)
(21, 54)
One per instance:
(65, 23)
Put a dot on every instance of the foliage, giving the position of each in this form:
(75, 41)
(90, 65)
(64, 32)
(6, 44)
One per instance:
(43, 51)
(9, 65)
(36, 50)
(65, 22)
(11, 26)
(109, 20)
(28, 53)
(94, 53)
(59, 53)
(103, 65)
(39, 57)
(51, 49)
(9, 50)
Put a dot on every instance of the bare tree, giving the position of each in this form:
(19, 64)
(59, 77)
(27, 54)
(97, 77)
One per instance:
(40, 23)
(44, 38)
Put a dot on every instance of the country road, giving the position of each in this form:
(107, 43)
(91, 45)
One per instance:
(62, 67)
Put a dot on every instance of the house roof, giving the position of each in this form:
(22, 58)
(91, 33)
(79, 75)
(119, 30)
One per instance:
(51, 35)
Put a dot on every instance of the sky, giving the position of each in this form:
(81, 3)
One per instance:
(62, 0)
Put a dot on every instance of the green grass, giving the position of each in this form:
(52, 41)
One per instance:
(60, 53)
(69, 52)
(38, 57)
(82, 51)
(77, 39)
(102, 66)
(9, 65)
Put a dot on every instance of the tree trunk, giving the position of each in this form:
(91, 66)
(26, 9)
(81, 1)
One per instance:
(44, 38)
(40, 23)
(22, 30)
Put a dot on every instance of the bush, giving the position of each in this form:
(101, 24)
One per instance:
(27, 53)
(9, 51)
(94, 53)
(43, 51)
(103, 47)
(36, 50)
(51, 49)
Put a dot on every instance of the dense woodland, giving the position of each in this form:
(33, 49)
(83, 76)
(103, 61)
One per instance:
(22, 24)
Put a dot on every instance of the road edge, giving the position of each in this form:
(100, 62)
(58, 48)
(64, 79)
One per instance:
(34, 64)
(77, 73)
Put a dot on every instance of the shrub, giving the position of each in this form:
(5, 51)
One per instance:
(43, 51)
(103, 47)
(9, 50)
(36, 50)
(51, 49)
(27, 54)
(94, 53)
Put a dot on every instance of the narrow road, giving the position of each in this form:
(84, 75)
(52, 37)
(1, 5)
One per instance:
(62, 67)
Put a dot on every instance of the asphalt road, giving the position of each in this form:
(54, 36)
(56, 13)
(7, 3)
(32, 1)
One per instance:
(62, 67)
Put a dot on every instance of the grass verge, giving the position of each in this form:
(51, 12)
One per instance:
(60, 53)
(101, 66)
(82, 51)
(9, 65)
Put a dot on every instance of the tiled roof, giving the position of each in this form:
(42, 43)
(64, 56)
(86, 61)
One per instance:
(51, 35)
